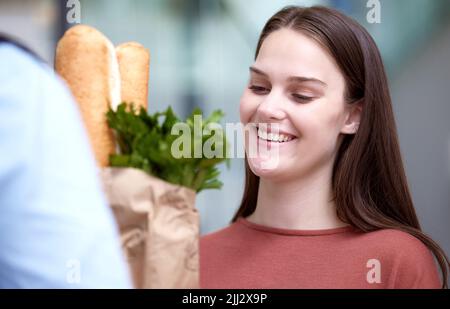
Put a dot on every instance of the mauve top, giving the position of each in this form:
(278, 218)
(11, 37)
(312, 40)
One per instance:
(248, 255)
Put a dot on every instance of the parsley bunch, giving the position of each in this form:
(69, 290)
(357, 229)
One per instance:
(145, 142)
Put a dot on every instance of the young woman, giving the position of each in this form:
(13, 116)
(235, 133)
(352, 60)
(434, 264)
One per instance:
(335, 210)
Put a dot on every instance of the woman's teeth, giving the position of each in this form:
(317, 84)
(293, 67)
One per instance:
(273, 137)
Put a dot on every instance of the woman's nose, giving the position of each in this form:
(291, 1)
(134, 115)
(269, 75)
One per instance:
(271, 108)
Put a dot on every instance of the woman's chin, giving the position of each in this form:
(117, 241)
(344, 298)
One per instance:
(265, 166)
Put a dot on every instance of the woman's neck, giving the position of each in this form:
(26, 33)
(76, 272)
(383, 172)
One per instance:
(303, 204)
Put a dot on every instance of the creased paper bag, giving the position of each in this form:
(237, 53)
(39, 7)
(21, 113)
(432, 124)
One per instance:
(159, 227)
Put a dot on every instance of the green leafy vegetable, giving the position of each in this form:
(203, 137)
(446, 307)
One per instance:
(146, 142)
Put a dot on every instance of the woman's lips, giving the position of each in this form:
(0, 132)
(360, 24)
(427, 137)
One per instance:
(262, 143)
(270, 140)
(265, 129)
(273, 134)
(274, 143)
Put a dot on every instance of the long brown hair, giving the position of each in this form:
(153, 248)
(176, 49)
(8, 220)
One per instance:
(369, 182)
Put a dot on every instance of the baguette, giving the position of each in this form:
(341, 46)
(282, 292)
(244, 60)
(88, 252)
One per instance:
(134, 61)
(87, 61)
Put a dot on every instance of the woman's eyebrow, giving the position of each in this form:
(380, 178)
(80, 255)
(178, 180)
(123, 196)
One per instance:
(299, 79)
(258, 71)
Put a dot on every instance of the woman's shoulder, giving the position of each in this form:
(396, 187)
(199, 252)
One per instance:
(221, 235)
(409, 259)
(397, 241)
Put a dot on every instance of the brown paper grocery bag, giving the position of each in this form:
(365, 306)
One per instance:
(159, 227)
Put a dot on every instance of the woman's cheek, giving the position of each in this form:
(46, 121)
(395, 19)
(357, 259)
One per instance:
(319, 120)
(320, 134)
(247, 107)
(305, 121)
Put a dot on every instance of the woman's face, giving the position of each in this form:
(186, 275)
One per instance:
(295, 87)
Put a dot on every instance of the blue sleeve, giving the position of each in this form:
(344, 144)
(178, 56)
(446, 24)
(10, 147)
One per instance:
(56, 230)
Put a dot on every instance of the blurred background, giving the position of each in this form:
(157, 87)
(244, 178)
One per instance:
(201, 51)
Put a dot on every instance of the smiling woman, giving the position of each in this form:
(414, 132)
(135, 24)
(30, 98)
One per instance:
(328, 205)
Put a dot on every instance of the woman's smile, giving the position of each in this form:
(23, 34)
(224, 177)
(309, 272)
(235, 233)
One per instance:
(269, 138)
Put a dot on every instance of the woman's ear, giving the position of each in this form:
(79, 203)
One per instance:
(353, 118)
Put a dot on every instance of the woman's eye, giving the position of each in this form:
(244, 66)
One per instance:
(258, 89)
(301, 98)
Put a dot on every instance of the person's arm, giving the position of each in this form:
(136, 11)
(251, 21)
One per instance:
(56, 230)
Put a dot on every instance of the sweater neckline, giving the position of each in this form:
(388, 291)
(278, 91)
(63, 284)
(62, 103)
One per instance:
(282, 231)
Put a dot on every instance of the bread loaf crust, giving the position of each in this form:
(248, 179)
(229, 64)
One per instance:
(84, 59)
(134, 63)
